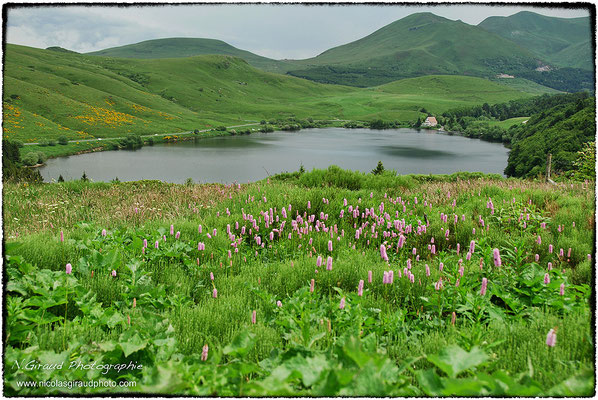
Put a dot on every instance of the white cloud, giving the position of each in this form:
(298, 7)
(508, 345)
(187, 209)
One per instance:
(277, 31)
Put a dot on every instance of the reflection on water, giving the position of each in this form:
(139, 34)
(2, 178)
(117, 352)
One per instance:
(245, 158)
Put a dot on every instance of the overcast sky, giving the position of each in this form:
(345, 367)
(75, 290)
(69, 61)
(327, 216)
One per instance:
(276, 31)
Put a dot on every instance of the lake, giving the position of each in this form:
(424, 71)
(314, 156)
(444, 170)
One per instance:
(252, 157)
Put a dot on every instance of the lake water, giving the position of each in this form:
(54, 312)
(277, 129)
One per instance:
(252, 157)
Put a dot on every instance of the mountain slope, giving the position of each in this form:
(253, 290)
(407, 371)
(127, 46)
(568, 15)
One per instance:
(565, 42)
(561, 130)
(188, 47)
(420, 44)
(48, 94)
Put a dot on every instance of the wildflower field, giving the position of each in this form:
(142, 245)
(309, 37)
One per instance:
(323, 283)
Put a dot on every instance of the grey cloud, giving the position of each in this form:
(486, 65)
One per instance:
(277, 31)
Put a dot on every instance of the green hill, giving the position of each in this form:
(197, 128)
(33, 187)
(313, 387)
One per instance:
(420, 44)
(565, 42)
(48, 94)
(561, 130)
(188, 47)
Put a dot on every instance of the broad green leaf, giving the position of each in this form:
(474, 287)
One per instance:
(578, 385)
(466, 387)
(453, 360)
(309, 368)
(115, 319)
(430, 382)
(240, 345)
(132, 345)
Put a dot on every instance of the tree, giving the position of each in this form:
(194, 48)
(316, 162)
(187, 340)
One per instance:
(418, 123)
(585, 162)
(84, 177)
(30, 159)
(63, 140)
(10, 152)
(60, 178)
(379, 168)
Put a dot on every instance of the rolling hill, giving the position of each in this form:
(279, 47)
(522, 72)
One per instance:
(564, 42)
(419, 44)
(48, 94)
(422, 44)
(189, 47)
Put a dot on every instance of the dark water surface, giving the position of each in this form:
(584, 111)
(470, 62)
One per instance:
(253, 157)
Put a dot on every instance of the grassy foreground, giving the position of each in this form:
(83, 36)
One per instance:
(264, 289)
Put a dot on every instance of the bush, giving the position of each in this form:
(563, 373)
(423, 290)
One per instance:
(62, 140)
(41, 157)
(30, 159)
(51, 143)
(44, 142)
(131, 142)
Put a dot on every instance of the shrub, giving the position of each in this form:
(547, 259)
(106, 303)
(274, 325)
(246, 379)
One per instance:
(30, 159)
(62, 140)
(44, 142)
(51, 143)
(41, 157)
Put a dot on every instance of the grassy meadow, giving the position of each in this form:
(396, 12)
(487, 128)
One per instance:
(322, 283)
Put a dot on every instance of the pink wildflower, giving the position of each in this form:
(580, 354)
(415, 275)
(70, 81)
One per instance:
(484, 286)
(497, 260)
(69, 268)
(383, 253)
(551, 338)
(204, 353)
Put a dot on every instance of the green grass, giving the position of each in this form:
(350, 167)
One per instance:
(175, 314)
(507, 123)
(419, 44)
(189, 47)
(562, 41)
(525, 85)
(48, 94)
